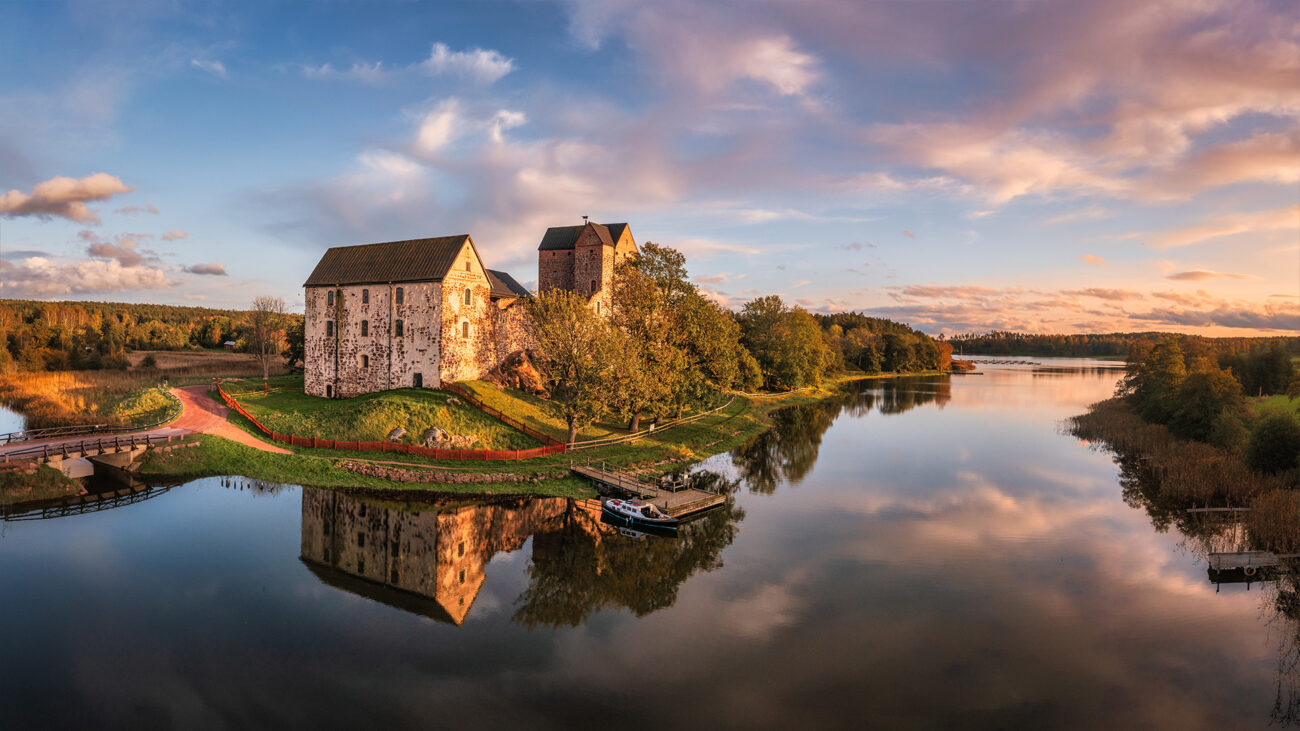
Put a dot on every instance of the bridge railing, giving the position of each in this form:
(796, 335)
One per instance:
(58, 432)
(86, 447)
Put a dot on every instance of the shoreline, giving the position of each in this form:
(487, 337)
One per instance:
(674, 448)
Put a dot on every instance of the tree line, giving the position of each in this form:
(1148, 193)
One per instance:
(1001, 342)
(1199, 394)
(56, 336)
(665, 347)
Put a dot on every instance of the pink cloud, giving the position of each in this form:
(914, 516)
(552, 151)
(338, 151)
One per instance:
(63, 197)
(175, 235)
(1091, 259)
(1277, 219)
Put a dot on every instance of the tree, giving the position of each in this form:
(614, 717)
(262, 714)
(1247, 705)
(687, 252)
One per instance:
(576, 355)
(1202, 399)
(295, 344)
(266, 333)
(1274, 443)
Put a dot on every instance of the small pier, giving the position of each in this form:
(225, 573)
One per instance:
(676, 500)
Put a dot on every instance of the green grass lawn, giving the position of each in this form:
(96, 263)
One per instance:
(1278, 403)
(544, 415)
(286, 409)
(145, 407)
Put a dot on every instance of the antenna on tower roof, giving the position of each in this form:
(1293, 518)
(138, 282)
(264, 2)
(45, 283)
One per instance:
(584, 220)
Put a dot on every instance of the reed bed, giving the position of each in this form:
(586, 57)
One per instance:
(1188, 474)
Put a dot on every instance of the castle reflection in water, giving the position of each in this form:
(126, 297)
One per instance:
(432, 560)
(431, 563)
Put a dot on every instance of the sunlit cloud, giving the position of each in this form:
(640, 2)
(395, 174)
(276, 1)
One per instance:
(1092, 259)
(213, 269)
(1231, 224)
(1200, 275)
(63, 197)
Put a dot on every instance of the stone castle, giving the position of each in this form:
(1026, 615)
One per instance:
(424, 312)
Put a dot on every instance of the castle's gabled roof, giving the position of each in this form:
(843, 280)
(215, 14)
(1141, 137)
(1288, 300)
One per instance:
(565, 237)
(504, 285)
(416, 260)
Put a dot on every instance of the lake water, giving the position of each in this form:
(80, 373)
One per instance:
(927, 553)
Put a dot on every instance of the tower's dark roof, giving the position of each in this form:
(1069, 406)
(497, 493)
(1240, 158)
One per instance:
(416, 260)
(504, 285)
(565, 237)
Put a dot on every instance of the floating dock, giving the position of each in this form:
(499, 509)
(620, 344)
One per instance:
(677, 502)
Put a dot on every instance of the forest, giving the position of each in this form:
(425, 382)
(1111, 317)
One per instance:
(1001, 342)
(59, 336)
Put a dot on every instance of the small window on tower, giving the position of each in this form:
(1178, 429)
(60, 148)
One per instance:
(469, 296)
(593, 285)
(467, 265)
(365, 296)
(464, 329)
(399, 295)
(397, 329)
(365, 328)
(329, 298)
(365, 362)
(329, 328)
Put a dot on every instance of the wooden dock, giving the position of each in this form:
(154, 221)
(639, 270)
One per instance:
(679, 503)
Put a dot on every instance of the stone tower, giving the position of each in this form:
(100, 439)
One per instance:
(582, 258)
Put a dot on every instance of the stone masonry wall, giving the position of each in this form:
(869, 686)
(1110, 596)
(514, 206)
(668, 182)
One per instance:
(392, 361)
(466, 358)
(554, 270)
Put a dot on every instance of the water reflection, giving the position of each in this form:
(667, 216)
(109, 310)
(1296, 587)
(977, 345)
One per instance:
(789, 450)
(433, 561)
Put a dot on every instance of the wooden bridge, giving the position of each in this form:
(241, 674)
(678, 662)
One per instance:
(117, 451)
(674, 499)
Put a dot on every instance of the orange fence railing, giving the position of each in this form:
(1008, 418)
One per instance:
(552, 446)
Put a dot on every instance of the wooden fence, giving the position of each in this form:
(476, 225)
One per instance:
(497, 455)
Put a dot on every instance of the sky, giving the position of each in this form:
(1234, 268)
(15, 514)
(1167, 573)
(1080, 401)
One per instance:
(961, 166)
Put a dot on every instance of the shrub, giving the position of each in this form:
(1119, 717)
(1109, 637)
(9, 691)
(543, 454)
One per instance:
(1274, 444)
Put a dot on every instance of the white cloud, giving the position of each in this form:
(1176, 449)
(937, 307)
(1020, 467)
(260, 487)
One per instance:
(485, 66)
(40, 277)
(63, 197)
(175, 235)
(216, 68)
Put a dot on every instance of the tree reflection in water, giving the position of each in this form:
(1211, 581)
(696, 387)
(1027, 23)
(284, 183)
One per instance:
(587, 565)
(1208, 533)
(787, 451)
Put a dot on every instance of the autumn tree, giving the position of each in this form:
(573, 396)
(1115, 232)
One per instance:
(266, 332)
(577, 352)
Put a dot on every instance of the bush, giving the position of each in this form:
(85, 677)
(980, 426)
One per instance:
(1274, 444)
(149, 361)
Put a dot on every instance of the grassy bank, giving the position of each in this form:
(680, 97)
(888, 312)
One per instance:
(286, 409)
(46, 483)
(317, 468)
(662, 452)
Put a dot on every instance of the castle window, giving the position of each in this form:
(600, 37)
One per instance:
(460, 549)
(464, 329)
(329, 391)
(597, 308)
(329, 328)
(397, 328)
(365, 362)
(462, 576)
(329, 298)
(593, 285)
(399, 295)
(365, 296)
(365, 328)
(467, 265)
(469, 296)
(361, 539)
